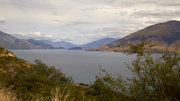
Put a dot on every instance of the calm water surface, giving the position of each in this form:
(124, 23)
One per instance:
(81, 65)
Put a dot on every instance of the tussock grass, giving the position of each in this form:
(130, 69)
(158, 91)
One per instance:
(7, 95)
(57, 95)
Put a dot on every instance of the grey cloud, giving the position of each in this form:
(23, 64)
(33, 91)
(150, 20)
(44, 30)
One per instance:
(56, 20)
(156, 21)
(127, 28)
(108, 29)
(2, 20)
(77, 23)
(93, 37)
(100, 2)
(155, 2)
(65, 39)
(34, 35)
(101, 35)
(91, 9)
(34, 28)
(113, 32)
(71, 18)
(122, 30)
(122, 13)
(57, 14)
(40, 36)
(171, 3)
(28, 6)
(132, 2)
(20, 2)
(156, 14)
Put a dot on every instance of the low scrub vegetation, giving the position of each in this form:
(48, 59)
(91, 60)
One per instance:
(155, 79)
(6, 94)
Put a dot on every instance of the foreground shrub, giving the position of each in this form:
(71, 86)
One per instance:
(155, 79)
(38, 80)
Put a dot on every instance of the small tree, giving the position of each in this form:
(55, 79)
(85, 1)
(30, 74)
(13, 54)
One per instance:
(154, 78)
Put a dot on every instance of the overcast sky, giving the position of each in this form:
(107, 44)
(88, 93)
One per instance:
(82, 21)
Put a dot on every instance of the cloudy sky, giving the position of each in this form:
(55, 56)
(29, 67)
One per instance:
(82, 21)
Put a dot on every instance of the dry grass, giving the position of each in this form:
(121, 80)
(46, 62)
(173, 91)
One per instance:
(7, 95)
(56, 95)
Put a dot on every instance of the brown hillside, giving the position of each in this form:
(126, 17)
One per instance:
(9, 62)
(10, 42)
(161, 35)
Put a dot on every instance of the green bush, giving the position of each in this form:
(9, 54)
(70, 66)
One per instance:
(39, 79)
(155, 79)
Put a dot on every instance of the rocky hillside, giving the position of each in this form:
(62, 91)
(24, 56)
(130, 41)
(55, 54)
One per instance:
(5, 53)
(161, 35)
(9, 62)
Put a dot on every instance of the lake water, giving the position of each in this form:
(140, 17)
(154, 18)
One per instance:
(82, 65)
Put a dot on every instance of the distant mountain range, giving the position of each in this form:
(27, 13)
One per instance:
(58, 44)
(161, 35)
(42, 45)
(99, 43)
(68, 45)
(10, 42)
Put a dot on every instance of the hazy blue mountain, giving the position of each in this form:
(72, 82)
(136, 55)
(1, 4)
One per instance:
(40, 44)
(59, 43)
(75, 48)
(99, 43)
(9, 42)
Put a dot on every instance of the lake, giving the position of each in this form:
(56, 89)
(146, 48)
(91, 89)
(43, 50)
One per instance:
(82, 65)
